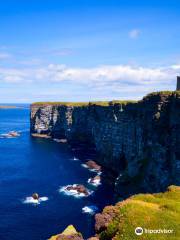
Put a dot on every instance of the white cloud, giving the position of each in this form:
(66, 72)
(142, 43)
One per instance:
(120, 79)
(104, 74)
(134, 33)
(176, 67)
(12, 75)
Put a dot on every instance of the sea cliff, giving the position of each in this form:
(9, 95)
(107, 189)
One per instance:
(138, 142)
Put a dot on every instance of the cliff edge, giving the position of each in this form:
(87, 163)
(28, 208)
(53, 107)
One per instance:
(137, 141)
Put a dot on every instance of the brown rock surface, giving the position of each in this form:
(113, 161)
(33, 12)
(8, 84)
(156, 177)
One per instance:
(93, 165)
(35, 196)
(13, 134)
(103, 219)
(40, 135)
(93, 238)
(94, 179)
(69, 237)
(79, 188)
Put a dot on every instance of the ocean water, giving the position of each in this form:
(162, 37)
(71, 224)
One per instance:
(29, 165)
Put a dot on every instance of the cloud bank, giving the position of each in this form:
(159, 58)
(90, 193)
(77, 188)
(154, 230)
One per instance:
(114, 78)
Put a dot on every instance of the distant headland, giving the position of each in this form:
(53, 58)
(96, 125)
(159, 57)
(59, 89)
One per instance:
(10, 107)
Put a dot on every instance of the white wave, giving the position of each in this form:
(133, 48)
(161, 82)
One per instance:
(43, 199)
(94, 182)
(75, 159)
(94, 170)
(5, 135)
(57, 140)
(10, 134)
(73, 192)
(35, 201)
(84, 165)
(90, 209)
(91, 169)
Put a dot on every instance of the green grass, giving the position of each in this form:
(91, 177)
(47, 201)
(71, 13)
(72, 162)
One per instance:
(105, 103)
(68, 233)
(167, 93)
(150, 211)
(82, 104)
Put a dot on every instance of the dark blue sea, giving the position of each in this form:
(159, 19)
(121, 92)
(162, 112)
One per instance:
(29, 165)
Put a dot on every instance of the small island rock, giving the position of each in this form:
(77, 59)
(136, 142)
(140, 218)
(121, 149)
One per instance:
(79, 188)
(35, 196)
(93, 165)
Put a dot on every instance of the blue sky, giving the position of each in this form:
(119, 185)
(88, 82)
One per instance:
(84, 50)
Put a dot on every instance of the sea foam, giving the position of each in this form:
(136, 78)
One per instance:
(95, 182)
(91, 169)
(90, 209)
(31, 200)
(5, 135)
(75, 159)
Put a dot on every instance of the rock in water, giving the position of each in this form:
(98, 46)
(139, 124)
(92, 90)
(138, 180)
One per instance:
(95, 180)
(93, 165)
(35, 196)
(76, 190)
(12, 134)
(79, 188)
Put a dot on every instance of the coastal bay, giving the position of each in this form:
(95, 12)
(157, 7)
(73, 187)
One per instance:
(40, 165)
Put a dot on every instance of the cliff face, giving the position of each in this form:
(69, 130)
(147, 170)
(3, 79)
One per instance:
(138, 142)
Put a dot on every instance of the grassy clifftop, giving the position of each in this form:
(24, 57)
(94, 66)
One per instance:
(82, 104)
(106, 103)
(149, 211)
(163, 93)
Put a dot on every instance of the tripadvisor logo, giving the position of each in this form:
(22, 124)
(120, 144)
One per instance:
(138, 231)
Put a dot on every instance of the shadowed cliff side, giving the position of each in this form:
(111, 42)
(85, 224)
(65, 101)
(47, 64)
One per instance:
(138, 141)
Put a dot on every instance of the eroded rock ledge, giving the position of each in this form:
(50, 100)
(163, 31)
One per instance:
(139, 141)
